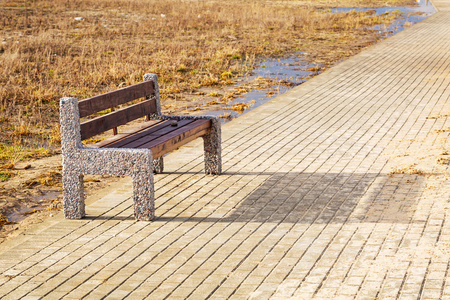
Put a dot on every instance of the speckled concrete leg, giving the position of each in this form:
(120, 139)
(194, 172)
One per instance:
(73, 196)
(143, 196)
(158, 165)
(213, 148)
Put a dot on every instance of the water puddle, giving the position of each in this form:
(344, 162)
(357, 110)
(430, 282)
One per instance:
(409, 15)
(288, 72)
(46, 197)
(23, 212)
(295, 70)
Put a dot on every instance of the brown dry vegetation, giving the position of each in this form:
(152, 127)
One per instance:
(47, 52)
(351, 3)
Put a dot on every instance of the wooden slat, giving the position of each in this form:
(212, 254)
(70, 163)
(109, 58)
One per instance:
(162, 149)
(136, 136)
(162, 138)
(110, 142)
(177, 138)
(150, 136)
(101, 102)
(117, 118)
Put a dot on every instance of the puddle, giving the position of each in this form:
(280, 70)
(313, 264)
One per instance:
(423, 6)
(287, 70)
(295, 70)
(48, 196)
(410, 15)
(23, 212)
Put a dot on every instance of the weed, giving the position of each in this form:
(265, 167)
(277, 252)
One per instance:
(39, 153)
(7, 167)
(225, 116)
(22, 130)
(226, 74)
(240, 107)
(4, 176)
(212, 102)
(4, 220)
(55, 135)
(209, 81)
(92, 141)
(214, 94)
(11, 154)
(228, 97)
(182, 68)
(51, 178)
(103, 112)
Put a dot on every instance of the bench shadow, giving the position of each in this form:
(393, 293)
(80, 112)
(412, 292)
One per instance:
(116, 218)
(202, 173)
(325, 198)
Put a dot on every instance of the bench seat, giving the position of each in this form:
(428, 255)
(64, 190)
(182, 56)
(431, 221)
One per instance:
(160, 136)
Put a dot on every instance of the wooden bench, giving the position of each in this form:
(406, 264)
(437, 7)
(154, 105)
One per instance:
(137, 152)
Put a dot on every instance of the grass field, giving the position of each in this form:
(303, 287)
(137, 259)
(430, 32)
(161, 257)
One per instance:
(51, 49)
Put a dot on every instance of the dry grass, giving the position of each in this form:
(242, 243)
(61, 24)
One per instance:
(407, 170)
(4, 220)
(353, 3)
(47, 51)
(10, 155)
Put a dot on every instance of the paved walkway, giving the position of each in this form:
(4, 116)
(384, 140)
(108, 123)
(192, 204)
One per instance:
(313, 202)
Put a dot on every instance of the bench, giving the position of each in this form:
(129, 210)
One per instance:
(137, 152)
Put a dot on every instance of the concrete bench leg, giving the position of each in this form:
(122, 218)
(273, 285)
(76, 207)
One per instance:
(143, 195)
(158, 165)
(73, 195)
(213, 148)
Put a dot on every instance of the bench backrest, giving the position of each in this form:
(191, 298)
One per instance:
(119, 117)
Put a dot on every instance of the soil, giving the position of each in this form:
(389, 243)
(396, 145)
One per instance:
(34, 194)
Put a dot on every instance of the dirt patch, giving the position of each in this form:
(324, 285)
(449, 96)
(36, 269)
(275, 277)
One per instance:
(34, 194)
(428, 157)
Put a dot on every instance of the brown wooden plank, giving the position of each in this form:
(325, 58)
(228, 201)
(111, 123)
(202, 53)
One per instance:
(101, 102)
(135, 136)
(117, 118)
(160, 150)
(126, 134)
(154, 134)
(177, 138)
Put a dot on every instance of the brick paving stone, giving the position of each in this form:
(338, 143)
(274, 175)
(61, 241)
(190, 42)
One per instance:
(307, 206)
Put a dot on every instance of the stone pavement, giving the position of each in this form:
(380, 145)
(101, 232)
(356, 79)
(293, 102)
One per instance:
(314, 201)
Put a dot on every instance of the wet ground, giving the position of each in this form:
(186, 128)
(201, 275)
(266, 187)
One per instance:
(295, 69)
